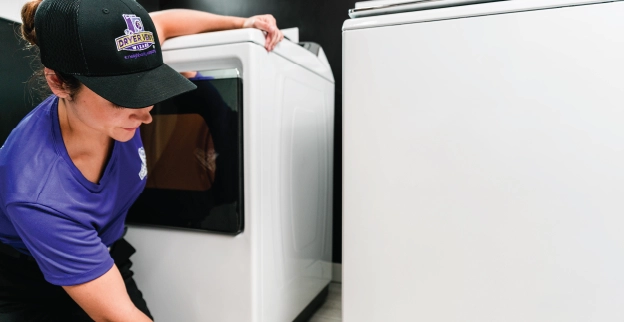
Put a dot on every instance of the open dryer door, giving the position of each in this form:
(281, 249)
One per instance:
(194, 160)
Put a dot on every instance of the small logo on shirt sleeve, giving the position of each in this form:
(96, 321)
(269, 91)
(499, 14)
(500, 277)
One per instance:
(143, 172)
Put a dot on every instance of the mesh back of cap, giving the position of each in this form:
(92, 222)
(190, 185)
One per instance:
(56, 25)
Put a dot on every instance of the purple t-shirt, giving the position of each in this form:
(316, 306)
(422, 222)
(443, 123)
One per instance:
(50, 211)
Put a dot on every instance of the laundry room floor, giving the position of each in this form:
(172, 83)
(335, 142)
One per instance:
(331, 311)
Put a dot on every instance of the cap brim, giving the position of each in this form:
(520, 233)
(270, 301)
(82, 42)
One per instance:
(139, 90)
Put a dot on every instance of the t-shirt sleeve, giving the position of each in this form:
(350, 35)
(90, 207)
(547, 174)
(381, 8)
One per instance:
(67, 251)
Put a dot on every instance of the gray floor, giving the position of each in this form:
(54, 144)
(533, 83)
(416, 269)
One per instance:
(331, 311)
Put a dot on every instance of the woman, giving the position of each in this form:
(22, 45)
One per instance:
(73, 166)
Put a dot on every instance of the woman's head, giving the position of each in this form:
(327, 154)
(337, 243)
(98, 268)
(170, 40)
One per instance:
(108, 46)
(91, 112)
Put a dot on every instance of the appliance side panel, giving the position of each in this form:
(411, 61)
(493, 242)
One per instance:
(297, 158)
(482, 167)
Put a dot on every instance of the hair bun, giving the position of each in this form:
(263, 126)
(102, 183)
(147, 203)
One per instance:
(28, 21)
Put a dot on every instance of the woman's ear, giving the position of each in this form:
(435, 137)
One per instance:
(56, 85)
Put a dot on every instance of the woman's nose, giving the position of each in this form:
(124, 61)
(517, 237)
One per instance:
(143, 114)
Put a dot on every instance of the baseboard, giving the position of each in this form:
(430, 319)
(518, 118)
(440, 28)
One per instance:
(316, 303)
(336, 272)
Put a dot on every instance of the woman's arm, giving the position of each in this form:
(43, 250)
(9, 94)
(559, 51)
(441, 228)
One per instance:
(106, 299)
(179, 22)
(73, 254)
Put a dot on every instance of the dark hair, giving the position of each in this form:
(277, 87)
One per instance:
(28, 21)
(69, 82)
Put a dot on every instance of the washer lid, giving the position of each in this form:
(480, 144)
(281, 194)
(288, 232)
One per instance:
(287, 49)
(460, 9)
(382, 7)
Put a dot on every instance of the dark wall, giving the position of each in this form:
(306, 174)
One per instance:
(318, 21)
(15, 70)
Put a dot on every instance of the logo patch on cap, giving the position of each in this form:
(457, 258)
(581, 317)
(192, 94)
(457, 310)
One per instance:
(135, 38)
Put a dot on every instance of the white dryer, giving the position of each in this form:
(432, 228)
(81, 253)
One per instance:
(236, 221)
(483, 153)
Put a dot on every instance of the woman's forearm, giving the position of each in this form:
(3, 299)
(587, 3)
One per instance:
(180, 22)
(106, 299)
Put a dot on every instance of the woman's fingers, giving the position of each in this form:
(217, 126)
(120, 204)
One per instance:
(268, 24)
(271, 41)
(266, 27)
(272, 33)
(278, 37)
(275, 37)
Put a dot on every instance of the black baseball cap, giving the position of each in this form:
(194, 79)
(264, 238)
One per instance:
(111, 46)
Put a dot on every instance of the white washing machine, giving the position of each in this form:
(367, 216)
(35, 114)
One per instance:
(483, 153)
(236, 221)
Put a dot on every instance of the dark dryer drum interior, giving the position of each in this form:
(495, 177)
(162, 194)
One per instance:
(194, 160)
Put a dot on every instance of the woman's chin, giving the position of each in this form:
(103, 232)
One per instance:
(124, 135)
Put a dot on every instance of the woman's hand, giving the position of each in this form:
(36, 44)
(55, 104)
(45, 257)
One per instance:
(267, 24)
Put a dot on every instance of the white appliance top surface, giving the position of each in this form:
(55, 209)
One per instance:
(382, 7)
(376, 3)
(214, 39)
(458, 11)
(287, 49)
